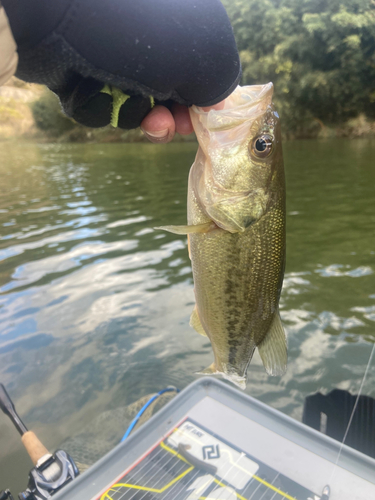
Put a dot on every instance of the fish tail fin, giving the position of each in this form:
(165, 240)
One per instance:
(273, 349)
(195, 322)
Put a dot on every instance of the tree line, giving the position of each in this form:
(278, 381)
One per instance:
(320, 55)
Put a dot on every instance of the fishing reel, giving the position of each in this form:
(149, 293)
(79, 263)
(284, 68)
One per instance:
(49, 476)
(51, 472)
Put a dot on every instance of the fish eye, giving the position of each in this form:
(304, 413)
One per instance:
(262, 146)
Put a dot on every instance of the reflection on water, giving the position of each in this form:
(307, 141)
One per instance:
(95, 304)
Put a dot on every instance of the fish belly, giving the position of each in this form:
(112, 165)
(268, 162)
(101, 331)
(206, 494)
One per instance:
(238, 279)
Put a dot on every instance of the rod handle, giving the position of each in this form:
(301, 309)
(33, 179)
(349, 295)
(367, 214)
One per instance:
(8, 408)
(34, 447)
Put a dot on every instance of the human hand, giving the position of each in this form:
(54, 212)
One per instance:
(173, 53)
(160, 124)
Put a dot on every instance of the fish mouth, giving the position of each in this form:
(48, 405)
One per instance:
(244, 104)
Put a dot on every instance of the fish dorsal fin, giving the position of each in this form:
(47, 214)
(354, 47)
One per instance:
(273, 349)
(195, 322)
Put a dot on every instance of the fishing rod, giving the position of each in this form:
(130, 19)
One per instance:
(51, 472)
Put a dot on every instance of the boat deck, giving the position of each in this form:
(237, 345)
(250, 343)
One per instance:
(214, 442)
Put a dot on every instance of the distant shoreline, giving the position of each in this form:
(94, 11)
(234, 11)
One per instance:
(30, 112)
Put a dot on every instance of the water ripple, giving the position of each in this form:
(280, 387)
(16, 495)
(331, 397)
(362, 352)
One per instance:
(95, 303)
(336, 270)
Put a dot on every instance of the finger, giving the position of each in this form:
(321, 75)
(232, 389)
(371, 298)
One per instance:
(159, 125)
(182, 119)
(218, 106)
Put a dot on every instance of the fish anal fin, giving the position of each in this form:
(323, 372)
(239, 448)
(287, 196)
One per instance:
(210, 370)
(273, 349)
(195, 322)
(199, 228)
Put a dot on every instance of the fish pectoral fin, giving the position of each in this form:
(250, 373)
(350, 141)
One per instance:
(195, 322)
(273, 349)
(189, 247)
(199, 228)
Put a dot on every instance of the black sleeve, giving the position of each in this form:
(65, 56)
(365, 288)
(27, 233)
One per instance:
(180, 50)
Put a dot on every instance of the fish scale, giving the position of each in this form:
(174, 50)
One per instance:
(238, 281)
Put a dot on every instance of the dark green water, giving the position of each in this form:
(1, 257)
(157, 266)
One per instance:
(95, 304)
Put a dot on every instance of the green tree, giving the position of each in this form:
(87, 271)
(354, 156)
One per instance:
(320, 54)
(49, 117)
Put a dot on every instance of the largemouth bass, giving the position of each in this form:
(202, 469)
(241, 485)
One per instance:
(236, 232)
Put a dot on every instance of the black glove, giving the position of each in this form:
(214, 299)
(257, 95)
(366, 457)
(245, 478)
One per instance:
(162, 50)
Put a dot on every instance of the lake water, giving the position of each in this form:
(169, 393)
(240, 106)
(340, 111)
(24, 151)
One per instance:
(95, 304)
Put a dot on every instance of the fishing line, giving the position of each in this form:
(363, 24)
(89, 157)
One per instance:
(256, 489)
(353, 411)
(175, 488)
(194, 477)
(138, 481)
(273, 480)
(148, 480)
(218, 485)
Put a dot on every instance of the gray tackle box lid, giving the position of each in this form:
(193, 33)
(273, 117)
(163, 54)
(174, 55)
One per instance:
(215, 442)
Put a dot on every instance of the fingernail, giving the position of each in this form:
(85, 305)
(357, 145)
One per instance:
(158, 134)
